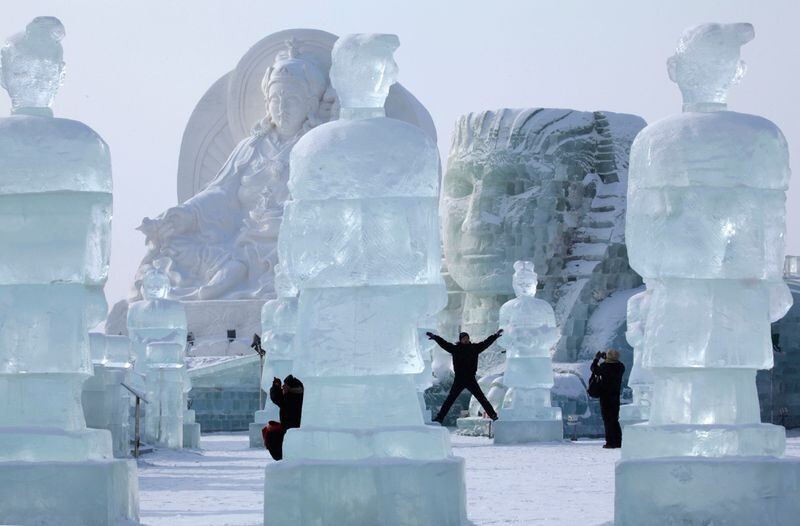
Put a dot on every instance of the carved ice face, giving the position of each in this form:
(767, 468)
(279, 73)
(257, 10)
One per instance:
(488, 221)
(706, 63)
(155, 285)
(288, 107)
(364, 69)
(525, 279)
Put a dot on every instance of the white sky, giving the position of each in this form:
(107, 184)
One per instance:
(136, 69)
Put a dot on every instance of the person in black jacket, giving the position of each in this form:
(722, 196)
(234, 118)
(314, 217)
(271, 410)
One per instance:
(611, 371)
(465, 365)
(289, 399)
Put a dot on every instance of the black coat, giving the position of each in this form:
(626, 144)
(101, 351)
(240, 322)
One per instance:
(290, 404)
(611, 386)
(465, 355)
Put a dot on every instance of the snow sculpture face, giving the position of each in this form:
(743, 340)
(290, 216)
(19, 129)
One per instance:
(32, 64)
(155, 285)
(706, 63)
(525, 279)
(293, 87)
(488, 219)
(364, 69)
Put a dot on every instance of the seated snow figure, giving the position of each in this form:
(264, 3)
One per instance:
(222, 242)
(360, 242)
(55, 227)
(531, 334)
(289, 399)
(705, 229)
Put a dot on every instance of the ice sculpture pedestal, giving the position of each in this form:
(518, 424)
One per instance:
(106, 405)
(385, 491)
(86, 493)
(474, 426)
(756, 490)
(522, 431)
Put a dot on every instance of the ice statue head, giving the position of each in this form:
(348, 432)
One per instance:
(293, 88)
(33, 66)
(706, 64)
(155, 284)
(363, 69)
(525, 279)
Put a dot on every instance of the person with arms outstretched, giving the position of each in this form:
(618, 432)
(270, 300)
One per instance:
(465, 365)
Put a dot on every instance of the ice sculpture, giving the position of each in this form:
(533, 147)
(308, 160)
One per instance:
(55, 222)
(278, 324)
(222, 242)
(641, 379)
(360, 241)
(545, 185)
(426, 348)
(159, 320)
(106, 403)
(706, 225)
(531, 333)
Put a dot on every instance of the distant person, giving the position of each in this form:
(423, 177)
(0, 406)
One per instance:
(611, 371)
(289, 399)
(465, 365)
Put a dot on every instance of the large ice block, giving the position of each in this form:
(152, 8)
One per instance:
(360, 242)
(55, 224)
(705, 229)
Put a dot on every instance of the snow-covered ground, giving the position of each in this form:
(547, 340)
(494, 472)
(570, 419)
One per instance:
(567, 483)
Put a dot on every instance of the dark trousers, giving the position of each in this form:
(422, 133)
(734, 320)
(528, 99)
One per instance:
(471, 385)
(609, 409)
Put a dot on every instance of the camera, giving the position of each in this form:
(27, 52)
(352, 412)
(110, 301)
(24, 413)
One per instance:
(601, 354)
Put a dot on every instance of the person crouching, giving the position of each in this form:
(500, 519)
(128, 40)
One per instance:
(289, 399)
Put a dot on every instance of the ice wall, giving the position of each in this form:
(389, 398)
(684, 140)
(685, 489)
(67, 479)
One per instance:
(55, 226)
(360, 241)
(705, 229)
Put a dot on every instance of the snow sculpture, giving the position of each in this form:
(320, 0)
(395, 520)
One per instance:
(53, 470)
(222, 242)
(641, 379)
(360, 242)
(545, 185)
(106, 403)
(157, 319)
(706, 224)
(278, 324)
(530, 331)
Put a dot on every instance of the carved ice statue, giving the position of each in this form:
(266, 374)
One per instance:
(159, 320)
(531, 334)
(222, 243)
(106, 403)
(360, 241)
(641, 379)
(706, 228)
(545, 185)
(278, 328)
(53, 470)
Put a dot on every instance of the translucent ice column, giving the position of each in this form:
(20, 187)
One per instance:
(278, 327)
(530, 335)
(156, 319)
(55, 223)
(106, 403)
(360, 241)
(165, 381)
(641, 379)
(705, 228)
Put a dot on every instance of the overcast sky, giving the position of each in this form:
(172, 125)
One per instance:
(136, 69)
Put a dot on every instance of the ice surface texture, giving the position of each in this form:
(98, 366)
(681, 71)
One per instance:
(360, 242)
(705, 229)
